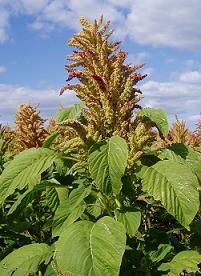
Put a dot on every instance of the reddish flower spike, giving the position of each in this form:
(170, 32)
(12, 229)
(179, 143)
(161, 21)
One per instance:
(137, 77)
(100, 82)
(73, 75)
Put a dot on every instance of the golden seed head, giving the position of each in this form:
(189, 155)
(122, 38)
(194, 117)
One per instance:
(30, 131)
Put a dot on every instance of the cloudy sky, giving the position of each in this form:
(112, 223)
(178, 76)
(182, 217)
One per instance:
(165, 35)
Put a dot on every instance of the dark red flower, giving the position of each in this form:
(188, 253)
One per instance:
(100, 82)
(137, 77)
(72, 75)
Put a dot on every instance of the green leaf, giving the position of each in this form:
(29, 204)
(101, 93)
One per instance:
(29, 195)
(70, 210)
(23, 200)
(65, 216)
(95, 204)
(176, 187)
(25, 260)
(107, 163)
(25, 170)
(167, 154)
(191, 157)
(51, 198)
(157, 116)
(50, 139)
(69, 113)
(185, 260)
(108, 242)
(77, 195)
(184, 151)
(159, 254)
(96, 249)
(50, 271)
(131, 221)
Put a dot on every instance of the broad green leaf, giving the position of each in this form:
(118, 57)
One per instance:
(170, 155)
(184, 151)
(95, 210)
(23, 200)
(25, 260)
(107, 163)
(157, 116)
(131, 221)
(53, 193)
(62, 193)
(77, 195)
(50, 139)
(96, 249)
(195, 166)
(185, 260)
(192, 158)
(33, 192)
(69, 113)
(70, 210)
(159, 254)
(95, 204)
(176, 187)
(108, 242)
(51, 198)
(50, 271)
(25, 170)
(60, 216)
(65, 216)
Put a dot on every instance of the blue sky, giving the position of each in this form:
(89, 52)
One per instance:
(165, 35)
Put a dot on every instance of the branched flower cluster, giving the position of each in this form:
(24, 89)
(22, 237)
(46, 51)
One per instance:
(7, 136)
(68, 139)
(30, 131)
(106, 86)
(6, 133)
(179, 133)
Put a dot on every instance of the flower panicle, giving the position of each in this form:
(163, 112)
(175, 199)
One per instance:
(106, 83)
(30, 131)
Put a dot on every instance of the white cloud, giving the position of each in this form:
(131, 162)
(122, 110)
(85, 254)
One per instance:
(4, 24)
(32, 6)
(191, 77)
(138, 58)
(169, 60)
(176, 97)
(166, 23)
(37, 25)
(62, 13)
(194, 118)
(120, 3)
(49, 100)
(190, 65)
(148, 70)
(66, 13)
(2, 69)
